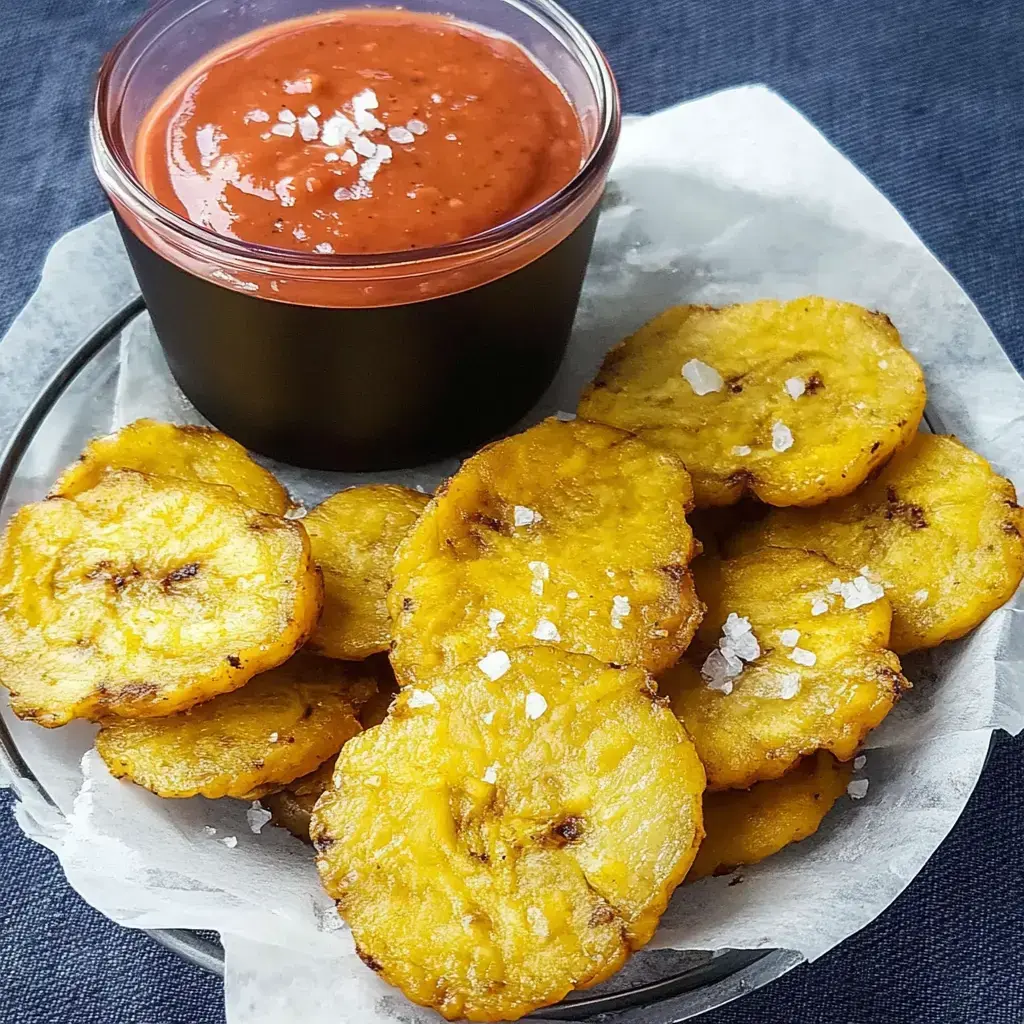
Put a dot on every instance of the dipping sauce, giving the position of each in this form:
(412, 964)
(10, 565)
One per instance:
(359, 132)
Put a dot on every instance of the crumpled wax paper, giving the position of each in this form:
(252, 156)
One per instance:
(727, 198)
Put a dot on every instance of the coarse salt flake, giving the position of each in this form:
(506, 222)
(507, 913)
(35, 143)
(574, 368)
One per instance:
(336, 129)
(436, 97)
(487, 718)
(920, 596)
(283, 190)
(494, 665)
(782, 437)
(573, 595)
(286, 115)
(257, 816)
(523, 516)
(349, 157)
(538, 922)
(490, 775)
(494, 619)
(795, 387)
(451, 137)
(421, 698)
(702, 378)
(209, 830)
(546, 630)
(858, 789)
(365, 99)
(741, 449)
(230, 842)
(883, 364)
(803, 657)
(858, 762)
(284, 130)
(860, 591)
(836, 586)
(363, 146)
(819, 606)
(309, 128)
(401, 135)
(273, 737)
(323, 247)
(790, 637)
(330, 158)
(313, 110)
(540, 573)
(298, 85)
(416, 126)
(535, 705)
(257, 115)
(720, 668)
(620, 609)
(789, 686)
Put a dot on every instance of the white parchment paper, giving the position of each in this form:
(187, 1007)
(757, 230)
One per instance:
(728, 198)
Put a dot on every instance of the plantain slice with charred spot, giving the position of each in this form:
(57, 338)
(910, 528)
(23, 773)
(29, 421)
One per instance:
(793, 402)
(143, 596)
(280, 726)
(814, 673)
(497, 842)
(937, 527)
(572, 534)
(354, 535)
(196, 454)
(744, 826)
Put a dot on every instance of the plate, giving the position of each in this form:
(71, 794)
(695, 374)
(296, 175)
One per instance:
(655, 987)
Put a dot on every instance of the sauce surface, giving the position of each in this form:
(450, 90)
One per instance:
(359, 132)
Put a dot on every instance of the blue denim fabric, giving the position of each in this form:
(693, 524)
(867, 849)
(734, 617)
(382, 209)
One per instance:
(927, 97)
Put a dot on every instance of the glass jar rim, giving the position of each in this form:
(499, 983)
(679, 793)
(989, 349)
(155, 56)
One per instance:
(121, 181)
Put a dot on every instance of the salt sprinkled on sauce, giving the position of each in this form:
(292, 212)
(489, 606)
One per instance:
(702, 378)
(494, 665)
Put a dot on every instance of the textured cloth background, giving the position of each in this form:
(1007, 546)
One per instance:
(927, 97)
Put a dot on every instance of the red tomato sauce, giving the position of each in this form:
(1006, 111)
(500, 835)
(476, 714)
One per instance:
(359, 132)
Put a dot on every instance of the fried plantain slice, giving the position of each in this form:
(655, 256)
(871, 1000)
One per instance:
(794, 402)
(937, 528)
(143, 596)
(799, 666)
(293, 805)
(573, 534)
(496, 843)
(197, 454)
(282, 725)
(354, 535)
(744, 826)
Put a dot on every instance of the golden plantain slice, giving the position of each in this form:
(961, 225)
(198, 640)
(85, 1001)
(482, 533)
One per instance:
(293, 805)
(354, 535)
(497, 843)
(745, 826)
(282, 725)
(197, 454)
(937, 527)
(144, 596)
(572, 534)
(794, 402)
(799, 666)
